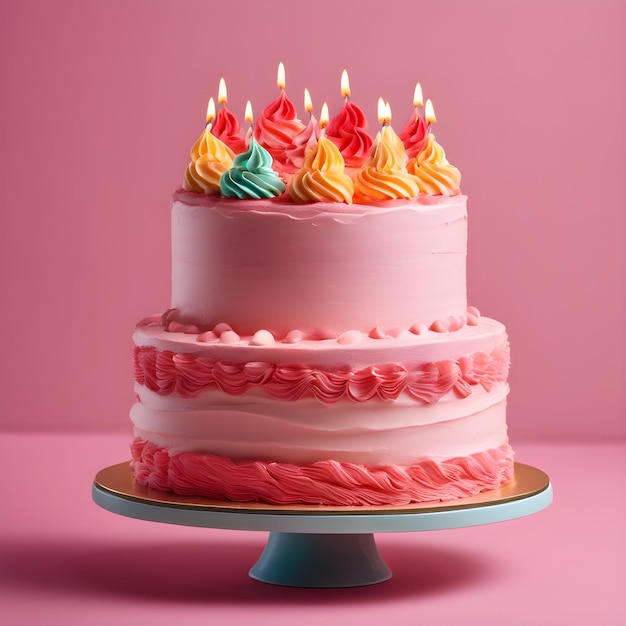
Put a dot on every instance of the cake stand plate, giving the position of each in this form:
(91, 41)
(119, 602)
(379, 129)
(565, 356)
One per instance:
(321, 546)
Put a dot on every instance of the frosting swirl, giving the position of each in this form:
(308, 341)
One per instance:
(435, 175)
(384, 176)
(210, 158)
(226, 127)
(413, 135)
(277, 125)
(251, 175)
(322, 177)
(347, 132)
(300, 145)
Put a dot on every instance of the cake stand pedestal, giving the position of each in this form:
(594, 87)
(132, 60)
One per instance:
(316, 546)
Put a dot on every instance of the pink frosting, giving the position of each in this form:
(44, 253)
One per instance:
(347, 132)
(413, 135)
(276, 127)
(226, 128)
(325, 482)
(166, 372)
(300, 145)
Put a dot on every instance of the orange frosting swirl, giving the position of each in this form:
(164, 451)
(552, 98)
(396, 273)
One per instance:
(435, 175)
(322, 177)
(210, 158)
(384, 176)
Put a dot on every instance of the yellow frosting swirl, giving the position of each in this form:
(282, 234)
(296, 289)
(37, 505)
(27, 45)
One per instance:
(210, 158)
(435, 175)
(322, 177)
(384, 176)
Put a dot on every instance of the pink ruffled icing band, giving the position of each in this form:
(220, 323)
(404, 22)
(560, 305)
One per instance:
(166, 372)
(325, 482)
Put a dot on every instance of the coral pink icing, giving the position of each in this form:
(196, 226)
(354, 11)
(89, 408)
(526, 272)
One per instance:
(226, 127)
(347, 132)
(187, 375)
(325, 482)
(276, 127)
(414, 134)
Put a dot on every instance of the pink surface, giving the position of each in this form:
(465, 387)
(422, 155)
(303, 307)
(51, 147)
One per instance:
(101, 102)
(66, 561)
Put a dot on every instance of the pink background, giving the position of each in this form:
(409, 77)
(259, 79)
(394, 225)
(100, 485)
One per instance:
(101, 102)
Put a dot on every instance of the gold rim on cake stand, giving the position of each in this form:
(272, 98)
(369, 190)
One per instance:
(321, 546)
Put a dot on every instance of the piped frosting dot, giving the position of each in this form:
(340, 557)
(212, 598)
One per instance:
(350, 336)
(229, 337)
(262, 338)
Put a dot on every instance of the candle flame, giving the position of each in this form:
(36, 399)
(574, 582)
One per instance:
(418, 97)
(324, 116)
(345, 84)
(429, 112)
(280, 77)
(308, 104)
(222, 94)
(210, 111)
(382, 111)
(388, 113)
(248, 115)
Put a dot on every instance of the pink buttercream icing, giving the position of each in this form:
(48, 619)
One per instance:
(325, 482)
(226, 128)
(347, 132)
(166, 372)
(303, 142)
(414, 134)
(276, 127)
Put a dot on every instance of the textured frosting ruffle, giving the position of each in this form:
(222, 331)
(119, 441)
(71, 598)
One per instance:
(276, 127)
(347, 132)
(384, 176)
(210, 158)
(413, 135)
(326, 482)
(434, 173)
(166, 372)
(322, 177)
(226, 127)
(251, 175)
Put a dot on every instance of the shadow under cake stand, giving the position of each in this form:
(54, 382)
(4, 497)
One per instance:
(321, 546)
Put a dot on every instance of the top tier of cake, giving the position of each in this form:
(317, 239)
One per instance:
(320, 270)
(317, 231)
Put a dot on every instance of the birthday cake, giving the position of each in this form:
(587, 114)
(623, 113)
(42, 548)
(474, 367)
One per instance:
(319, 348)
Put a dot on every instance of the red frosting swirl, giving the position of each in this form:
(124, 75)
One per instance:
(277, 125)
(226, 127)
(414, 134)
(347, 132)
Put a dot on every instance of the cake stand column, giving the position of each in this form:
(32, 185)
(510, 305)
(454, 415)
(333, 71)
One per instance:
(320, 560)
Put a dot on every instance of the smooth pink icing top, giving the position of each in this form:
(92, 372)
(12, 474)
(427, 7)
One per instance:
(324, 268)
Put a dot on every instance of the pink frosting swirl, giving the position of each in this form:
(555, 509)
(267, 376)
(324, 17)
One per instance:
(187, 375)
(413, 135)
(348, 132)
(276, 127)
(302, 143)
(330, 483)
(226, 127)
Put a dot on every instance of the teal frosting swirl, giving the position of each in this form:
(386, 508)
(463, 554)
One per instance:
(251, 175)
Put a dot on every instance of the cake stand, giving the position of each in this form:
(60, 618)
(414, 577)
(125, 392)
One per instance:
(320, 546)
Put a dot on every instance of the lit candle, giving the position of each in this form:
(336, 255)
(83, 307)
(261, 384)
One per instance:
(222, 94)
(429, 113)
(248, 118)
(210, 113)
(324, 117)
(345, 85)
(280, 76)
(308, 103)
(384, 113)
(418, 98)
